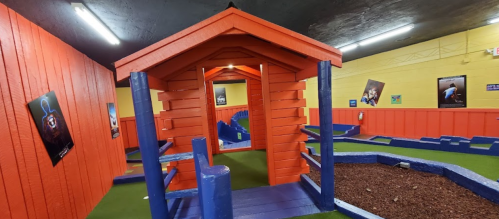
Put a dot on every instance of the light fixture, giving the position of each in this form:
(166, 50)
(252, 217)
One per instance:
(493, 21)
(386, 35)
(349, 47)
(86, 15)
(231, 66)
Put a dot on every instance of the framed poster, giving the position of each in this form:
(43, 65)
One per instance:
(353, 103)
(51, 126)
(372, 92)
(452, 92)
(113, 120)
(220, 96)
(396, 99)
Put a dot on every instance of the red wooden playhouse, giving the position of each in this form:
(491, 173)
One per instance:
(229, 46)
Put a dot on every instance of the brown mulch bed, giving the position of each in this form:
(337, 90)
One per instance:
(393, 192)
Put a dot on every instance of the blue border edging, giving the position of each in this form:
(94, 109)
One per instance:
(443, 144)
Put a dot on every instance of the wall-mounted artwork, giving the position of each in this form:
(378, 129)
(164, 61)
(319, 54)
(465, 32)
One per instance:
(372, 92)
(221, 97)
(353, 103)
(396, 99)
(492, 87)
(51, 126)
(113, 120)
(452, 92)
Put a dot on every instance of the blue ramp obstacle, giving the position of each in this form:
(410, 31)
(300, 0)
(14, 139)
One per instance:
(234, 135)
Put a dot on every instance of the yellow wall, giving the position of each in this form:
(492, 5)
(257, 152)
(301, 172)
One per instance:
(236, 94)
(125, 102)
(413, 71)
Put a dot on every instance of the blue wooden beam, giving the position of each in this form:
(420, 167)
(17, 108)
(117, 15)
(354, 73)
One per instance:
(326, 128)
(169, 177)
(165, 147)
(148, 143)
(175, 157)
(311, 134)
(311, 161)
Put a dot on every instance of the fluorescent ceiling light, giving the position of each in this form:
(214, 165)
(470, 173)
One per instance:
(349, 47)
(493, 21)
(387, 35)
(86, 15)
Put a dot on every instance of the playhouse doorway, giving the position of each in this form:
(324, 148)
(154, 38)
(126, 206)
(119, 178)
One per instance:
(230, 98)
(245, 123)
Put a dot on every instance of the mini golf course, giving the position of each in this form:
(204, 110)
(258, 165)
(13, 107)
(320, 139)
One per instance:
(318, 131)
(248, 169)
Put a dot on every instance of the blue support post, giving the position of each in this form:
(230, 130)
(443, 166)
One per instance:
(326, 132)
(214, 189)
(148, 143)
(199, 148)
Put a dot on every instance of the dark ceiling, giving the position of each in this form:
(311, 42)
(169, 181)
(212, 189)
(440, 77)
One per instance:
(139, 23)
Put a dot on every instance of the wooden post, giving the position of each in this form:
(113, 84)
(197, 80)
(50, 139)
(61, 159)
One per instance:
(148, 143)
(326, 132)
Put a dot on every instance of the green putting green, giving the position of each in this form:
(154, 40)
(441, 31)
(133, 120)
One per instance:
(481, 164)
(482, 145)
(244, 123)
(382, 140)
(137, 155)
(248, 169)
(123, 201)
(318, 131)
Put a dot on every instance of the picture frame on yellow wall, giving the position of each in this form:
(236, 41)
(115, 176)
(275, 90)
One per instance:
(452, 92)
(396, 99)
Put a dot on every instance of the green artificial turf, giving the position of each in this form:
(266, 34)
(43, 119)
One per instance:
(135, 156)
(318, 131)
(123, 201)
(382, 140)
(244, 123)
(481, 164)
(326, 215)
(248, 169)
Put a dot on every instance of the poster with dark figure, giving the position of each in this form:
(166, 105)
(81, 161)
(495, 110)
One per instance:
(452, 92)
(372, 92)
(51, 125)
(220, 96)
(113, 120)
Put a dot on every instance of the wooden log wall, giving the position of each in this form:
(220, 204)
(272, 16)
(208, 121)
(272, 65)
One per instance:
(32, 63)
(184, 118)
(283, 99)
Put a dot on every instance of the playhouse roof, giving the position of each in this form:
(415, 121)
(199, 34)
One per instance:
(231, 22)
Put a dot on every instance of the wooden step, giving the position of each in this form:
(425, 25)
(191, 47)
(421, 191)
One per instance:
(175, 157)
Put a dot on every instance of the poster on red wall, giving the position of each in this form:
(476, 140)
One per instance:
(452, 92)
(51, 126)
(372, 92)
(113, 120)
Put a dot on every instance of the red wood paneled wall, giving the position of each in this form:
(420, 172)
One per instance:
(283, 96)
(184, 118)
(128, 130)
(33, 62)
(226, 113)
(417, 123)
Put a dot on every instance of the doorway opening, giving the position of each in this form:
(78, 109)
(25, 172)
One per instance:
(231, 114)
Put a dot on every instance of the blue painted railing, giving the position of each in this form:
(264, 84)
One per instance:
(214, 189)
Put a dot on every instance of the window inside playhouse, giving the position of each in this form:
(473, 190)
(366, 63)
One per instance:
(232, 116)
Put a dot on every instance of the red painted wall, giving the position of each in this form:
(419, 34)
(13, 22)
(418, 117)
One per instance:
(417, 123)
(32, 63)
